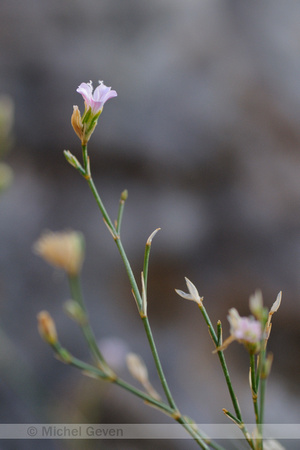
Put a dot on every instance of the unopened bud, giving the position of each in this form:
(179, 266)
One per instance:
(76, 122)
(137, 367)
(257, 308)
(273, 309)
(138, 370)
(75, 312)
(256, 304)
(124, 195)
(72, 160)
(46, 327)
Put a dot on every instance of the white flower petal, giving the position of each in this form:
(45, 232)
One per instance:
(192, 290)
(184, 295)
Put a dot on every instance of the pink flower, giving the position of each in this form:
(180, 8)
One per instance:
(95, 100)
(244, 328)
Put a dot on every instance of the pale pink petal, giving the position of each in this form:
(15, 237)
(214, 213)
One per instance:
(95, 100)
(100, 92)
(86, 90)
(108, 95)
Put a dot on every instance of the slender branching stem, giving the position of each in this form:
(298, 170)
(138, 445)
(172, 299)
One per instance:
(146, 264)
(76, 294)
(66, 357)
(96, 372)
(261, 412)
(133, 285)
(222, 361)
(158, 363)
(171, 408)
(262, 390)
(120, 212)
(216, 340)
(254, 386)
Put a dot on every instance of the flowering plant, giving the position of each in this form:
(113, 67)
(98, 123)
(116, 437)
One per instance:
(94, 102)
(65, 250)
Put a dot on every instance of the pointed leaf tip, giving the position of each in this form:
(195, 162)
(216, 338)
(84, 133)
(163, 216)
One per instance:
(276, 304)
(149, 240)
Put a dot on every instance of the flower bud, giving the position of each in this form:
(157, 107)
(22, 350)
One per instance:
(75, 312)
(137, 367)
(73, 160)
(124, 195)
(77, 122)
(46, 327)
(138, 370)
(256, 303)
(273, 310)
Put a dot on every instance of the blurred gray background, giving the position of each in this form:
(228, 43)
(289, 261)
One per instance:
(205, 136)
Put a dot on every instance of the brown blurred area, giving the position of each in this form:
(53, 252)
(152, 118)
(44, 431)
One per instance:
(205, 136)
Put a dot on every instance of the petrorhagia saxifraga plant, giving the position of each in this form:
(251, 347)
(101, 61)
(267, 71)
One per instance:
(66, 251)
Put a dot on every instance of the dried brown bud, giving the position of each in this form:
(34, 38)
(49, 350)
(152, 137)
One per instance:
(77, 122)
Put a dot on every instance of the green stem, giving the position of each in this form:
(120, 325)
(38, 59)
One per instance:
(254, 386)
(158, 363)
(121, 210)
(262, 391)
(85, 158)
(130, 274)
(134, 288)
(138, 393)
(175, 413)
(135, 291)
(261, 405)
(116, 239)
(146, 264)
(219, 333)
(98, 373)
(196, 435)
(101, 206)
(76, 294)
(216, 340)
(223, 363)
(163, 407)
